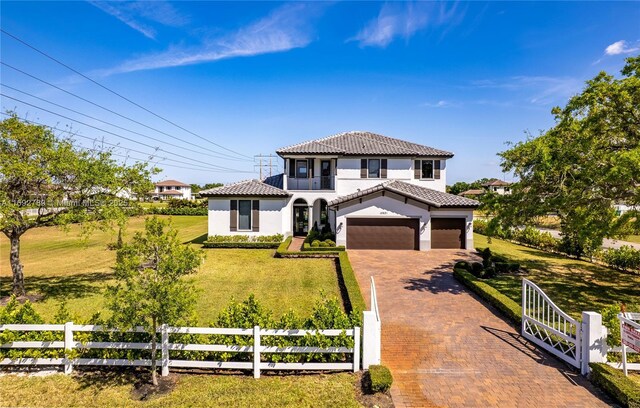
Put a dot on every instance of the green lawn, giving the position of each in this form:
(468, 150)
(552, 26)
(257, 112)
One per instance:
(60, 267)
(575, 286)
(632, 238)
(104, 389)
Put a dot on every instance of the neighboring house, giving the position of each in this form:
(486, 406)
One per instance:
(498, 187)
(473, 193)
(623, 208)
(373, 191)
(171, 189)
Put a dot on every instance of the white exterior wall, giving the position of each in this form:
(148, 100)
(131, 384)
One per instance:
(186, 192)
(348, 179)
(466, 213)
(383, 207)
(271, 216)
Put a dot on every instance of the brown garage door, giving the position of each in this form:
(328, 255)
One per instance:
(382, 233)
(448, 233)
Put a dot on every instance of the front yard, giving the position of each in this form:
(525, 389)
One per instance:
(575, 286)
(115, 389)
(61, 268)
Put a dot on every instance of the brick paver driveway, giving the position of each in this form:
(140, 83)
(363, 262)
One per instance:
(446, 348)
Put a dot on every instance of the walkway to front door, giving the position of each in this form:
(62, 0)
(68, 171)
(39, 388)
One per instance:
(445, 348)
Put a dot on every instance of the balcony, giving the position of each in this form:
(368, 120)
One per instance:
(313, 183)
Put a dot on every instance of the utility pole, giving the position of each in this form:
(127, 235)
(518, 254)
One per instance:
(260, 165)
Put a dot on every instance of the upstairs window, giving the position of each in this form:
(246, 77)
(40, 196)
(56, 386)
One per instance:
(301, 169)
(373, 168)
(426, 169)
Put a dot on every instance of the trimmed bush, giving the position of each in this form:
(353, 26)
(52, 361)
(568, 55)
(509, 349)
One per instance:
(356, 301)
(501, 267)
(514, 267)
(486, 254)
(488, 273)
(624, 258)
(177, 211)
(476, 269)
(493, 296)
(613, 381)
(463, 265)
(246, 238)
(315, 244)
(378, 379)
(246, 245)
(480, 226)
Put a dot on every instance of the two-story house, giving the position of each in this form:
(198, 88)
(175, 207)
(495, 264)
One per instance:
(375, 192)
(171, 189)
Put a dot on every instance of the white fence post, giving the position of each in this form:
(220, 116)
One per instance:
(592, 340)
(165, 349)
(371, 332)
(68, 346)
(256, 351)
(356, 349)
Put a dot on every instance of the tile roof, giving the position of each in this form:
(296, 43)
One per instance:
(472, 192)
(246, 188)
(172, 183)
(426, 195)
(169, 192)
(356, 143)
(496, 183)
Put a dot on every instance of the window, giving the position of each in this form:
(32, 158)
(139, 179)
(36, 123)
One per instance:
(244, 215)
(177, 187)
(301, 169)
(374, 168)
(324, 213)
(426, 169)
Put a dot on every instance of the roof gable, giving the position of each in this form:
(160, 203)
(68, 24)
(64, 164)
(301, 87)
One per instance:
(246, 188)
(172, 183)
(425, 195)
(356, 143)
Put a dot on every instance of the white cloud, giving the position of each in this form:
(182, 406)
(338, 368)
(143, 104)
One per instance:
(286, 28)
(440, 104)
(403, 20)
(539, 90)
(140, 15)
(620, 47)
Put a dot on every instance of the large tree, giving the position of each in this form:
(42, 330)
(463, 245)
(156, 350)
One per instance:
(150, 288)
(580, 168)
(45, 180)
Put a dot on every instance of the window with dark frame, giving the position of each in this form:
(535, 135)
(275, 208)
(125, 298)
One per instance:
(373, 168)
(426, 169)
(302, 169)
(244, 215)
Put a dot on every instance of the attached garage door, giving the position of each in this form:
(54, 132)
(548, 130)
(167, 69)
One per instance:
(383, 233)
(448, 233)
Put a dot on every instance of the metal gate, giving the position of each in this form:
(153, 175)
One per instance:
(548, 326)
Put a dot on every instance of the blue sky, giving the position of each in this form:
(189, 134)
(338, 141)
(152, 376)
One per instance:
(253, 77)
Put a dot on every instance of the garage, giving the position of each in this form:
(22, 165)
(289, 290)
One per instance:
(448, 233)
(383, 233)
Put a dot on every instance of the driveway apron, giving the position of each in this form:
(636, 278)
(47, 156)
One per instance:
(446, 348)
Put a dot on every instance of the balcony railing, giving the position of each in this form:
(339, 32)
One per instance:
(315, 183)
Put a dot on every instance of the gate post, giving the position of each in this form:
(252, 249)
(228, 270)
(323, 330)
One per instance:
(165, 349)
(256, 351)
(593, 341)
(68, 346)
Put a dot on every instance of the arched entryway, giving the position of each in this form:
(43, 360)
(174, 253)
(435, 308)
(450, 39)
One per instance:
(300, 217)
(320, 213)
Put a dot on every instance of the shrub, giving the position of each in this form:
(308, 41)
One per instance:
(348, 279)
(330, 243)
(476, 269)
(463, 265)
(612, 323)
(378, 379)
(177, 211)
(177, 203)
(613, 381)
(315, 243)
(487, 263)
(510, 308)
(502, 267)
(486, 254)
(480, 226)
(514, 267)
(488, 273)
(624, 258)
(245, 238)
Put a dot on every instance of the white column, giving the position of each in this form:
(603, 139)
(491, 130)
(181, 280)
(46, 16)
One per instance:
(356, 349)
(370, 339)
(68, 346)
(593, 347)
(165, 350)
(310, 216)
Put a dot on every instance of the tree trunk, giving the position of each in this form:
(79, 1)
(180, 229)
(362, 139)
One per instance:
(119, 242)
(154, 346)
(16, 267)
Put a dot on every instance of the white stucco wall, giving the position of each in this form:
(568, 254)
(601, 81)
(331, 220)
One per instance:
(348, 178)
(382, 207)
(271, 216)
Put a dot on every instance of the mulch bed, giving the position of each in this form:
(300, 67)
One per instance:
(380, 400)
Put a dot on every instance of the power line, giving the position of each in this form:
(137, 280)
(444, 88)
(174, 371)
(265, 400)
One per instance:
(120, 136)
(108, 123)
(117, 94)
(114, 112)
(122, 147)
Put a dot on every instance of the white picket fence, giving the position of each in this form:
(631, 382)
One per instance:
(575, 342)
(165, 346)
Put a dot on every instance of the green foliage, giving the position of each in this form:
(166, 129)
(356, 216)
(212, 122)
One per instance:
(463, 265)
(461, 186)
(315, 235)
(177, 211)
(612, 323)
(476, 269)
(378, 379)
(624, 258)
(178, 203)
(348, 279)
(277, 238)
(582, 166)
(41, 171)
(480, 226)
(624, 390)
(246, 245)
(511, 309)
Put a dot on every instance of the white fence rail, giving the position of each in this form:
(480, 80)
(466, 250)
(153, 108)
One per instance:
(372, 332)
(165, 346)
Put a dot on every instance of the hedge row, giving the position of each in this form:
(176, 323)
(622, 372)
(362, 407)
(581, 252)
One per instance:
(506, 305)
(283, 251)
(245, 245)
(177, 211)
(613, 381)
(306, 248)
(356, 301)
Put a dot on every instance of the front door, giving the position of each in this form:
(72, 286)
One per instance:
(300, 220)
(325, 175)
